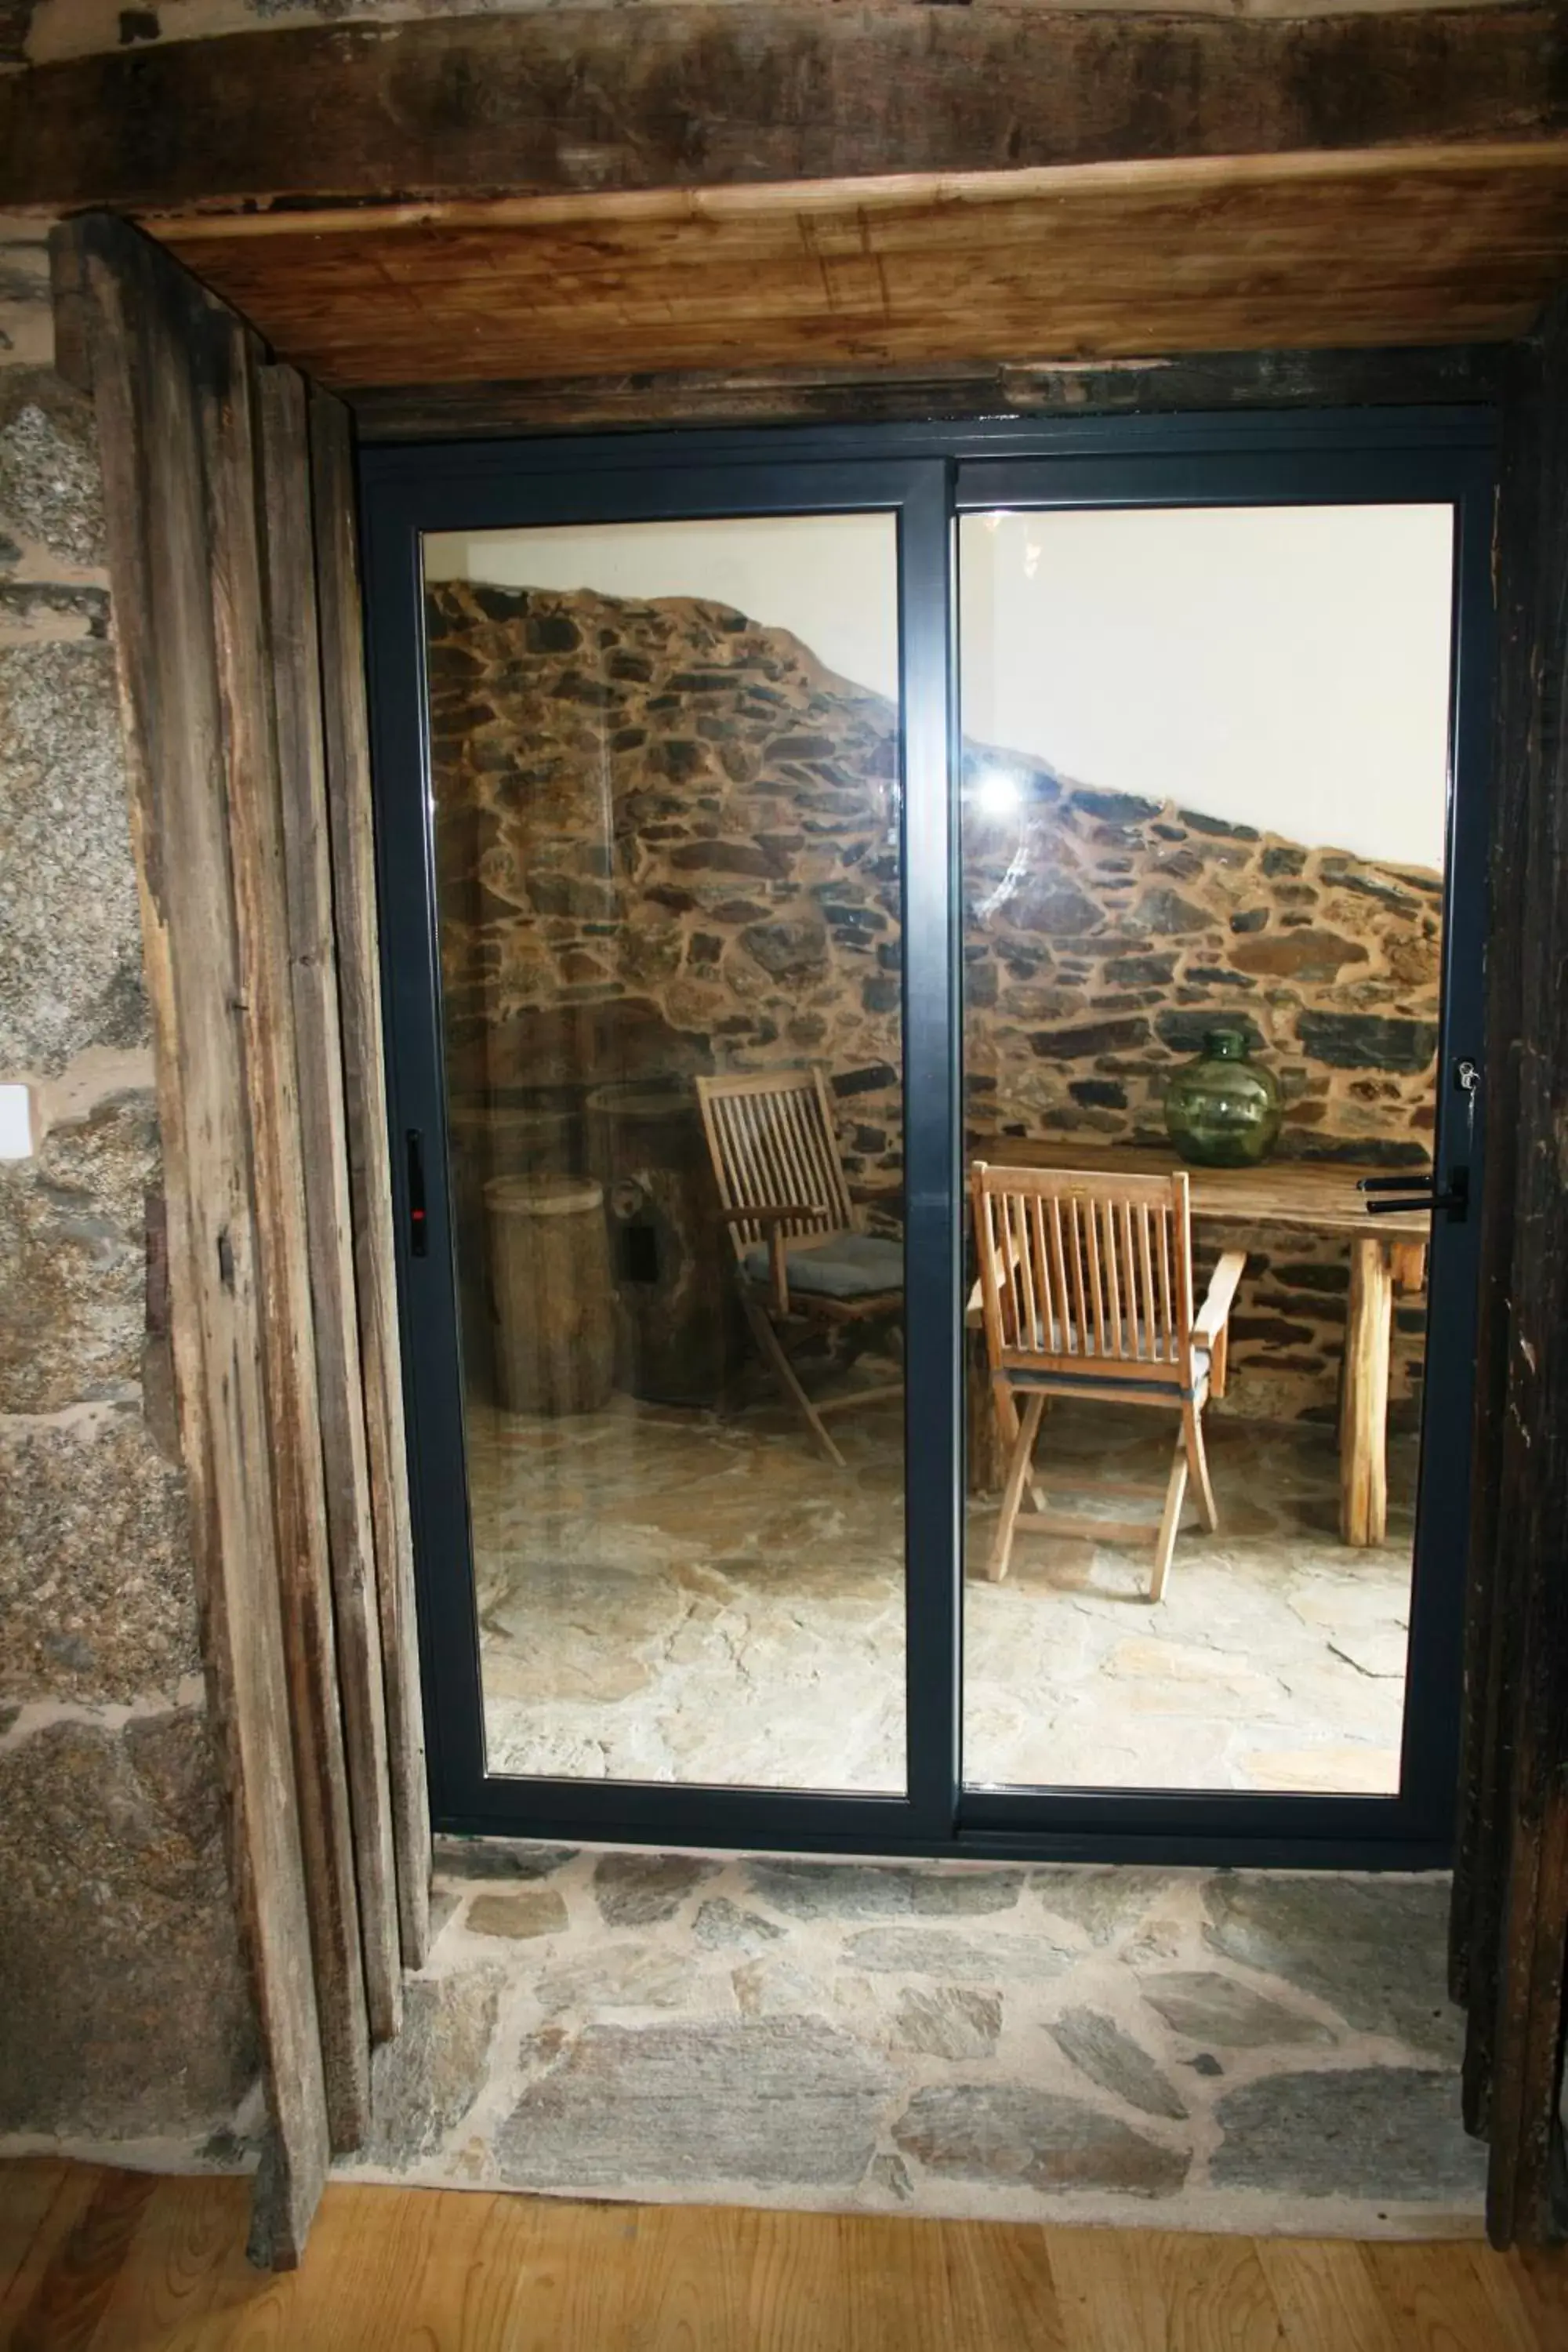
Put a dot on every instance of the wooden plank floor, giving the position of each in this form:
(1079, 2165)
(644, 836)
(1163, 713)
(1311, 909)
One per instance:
(99, 2261)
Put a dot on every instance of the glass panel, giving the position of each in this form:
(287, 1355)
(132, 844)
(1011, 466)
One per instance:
(666, 764)
(1204, 791)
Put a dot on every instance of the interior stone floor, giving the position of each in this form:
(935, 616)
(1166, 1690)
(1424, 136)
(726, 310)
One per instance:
(664, 1595)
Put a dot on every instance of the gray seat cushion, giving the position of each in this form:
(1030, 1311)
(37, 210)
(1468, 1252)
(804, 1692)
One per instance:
(845, 1266)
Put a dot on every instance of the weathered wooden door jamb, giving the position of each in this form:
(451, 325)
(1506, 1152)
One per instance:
(228, 497)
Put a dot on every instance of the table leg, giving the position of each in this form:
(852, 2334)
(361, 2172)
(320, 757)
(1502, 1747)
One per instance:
(1363, 1399)
(1408, 1260)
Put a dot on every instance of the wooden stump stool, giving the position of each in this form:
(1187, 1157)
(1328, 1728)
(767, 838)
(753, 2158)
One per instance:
(552, 1304)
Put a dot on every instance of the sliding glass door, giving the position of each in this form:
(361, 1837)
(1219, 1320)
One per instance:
(661, 746)
(1205, 831)
(842, 895)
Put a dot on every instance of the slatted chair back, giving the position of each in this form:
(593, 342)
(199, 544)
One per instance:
(773, 1144)
(1085, 1276)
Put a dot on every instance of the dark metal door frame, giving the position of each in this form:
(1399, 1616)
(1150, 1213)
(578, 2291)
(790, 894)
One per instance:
(925, 476)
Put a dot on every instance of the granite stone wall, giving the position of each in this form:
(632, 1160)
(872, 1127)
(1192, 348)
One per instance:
(124, 2016)
(668, 842)
(1246, 2050)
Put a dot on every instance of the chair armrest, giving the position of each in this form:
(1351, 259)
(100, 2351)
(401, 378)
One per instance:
(1212, 1315)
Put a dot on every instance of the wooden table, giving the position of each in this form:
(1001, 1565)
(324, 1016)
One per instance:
(1387, 1254)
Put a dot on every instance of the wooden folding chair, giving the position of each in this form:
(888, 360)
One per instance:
(1086, 1289)
(802, 1259)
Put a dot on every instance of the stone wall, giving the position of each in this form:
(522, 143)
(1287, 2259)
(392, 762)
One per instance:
(668, 842)
(125, 2016)
(1246, 2050)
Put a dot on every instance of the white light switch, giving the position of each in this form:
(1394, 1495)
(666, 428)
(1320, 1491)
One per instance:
(15, 1122)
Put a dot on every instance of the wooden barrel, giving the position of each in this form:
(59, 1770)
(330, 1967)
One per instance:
(552, 1304)
(541, 1135)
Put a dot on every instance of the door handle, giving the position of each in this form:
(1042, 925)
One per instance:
(1454, 1202)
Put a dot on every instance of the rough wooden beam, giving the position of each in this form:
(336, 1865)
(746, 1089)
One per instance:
(1492, 1624)
(72, 315)
(1511, 1901)
(230, 498)
(1443, 373)
(693, 96)
(365, 1134)
(171, 377)
(256, 718)
(358, 1979)
(1381, 245)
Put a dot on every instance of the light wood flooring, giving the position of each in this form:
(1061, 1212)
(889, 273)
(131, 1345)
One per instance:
(99, 2261)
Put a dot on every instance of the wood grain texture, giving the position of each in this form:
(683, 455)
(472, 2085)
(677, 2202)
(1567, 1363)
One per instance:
(957, 388)
(321, 1626)
(1363, 1394)
(185, 2271)
(1491, 1625)
(22, 2215)
(1308, 1195)
(137, 2265)
(170, 374)
(1512, 1906)
(67, 2302)
(1325, 2292)
(41, 2200)
(245, 667)
(1411, 246)
(1528, 2188)
(313, 970)
(1149, 2291)
(1540, 2275)
(248, 659)
(352, 852)
(1453, 2302)
(685, 96)
(1407, 1264)
(72, 323)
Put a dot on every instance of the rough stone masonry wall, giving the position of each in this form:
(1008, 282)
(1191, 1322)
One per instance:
(124, 2016)
(1244, 2050)
(668, 842)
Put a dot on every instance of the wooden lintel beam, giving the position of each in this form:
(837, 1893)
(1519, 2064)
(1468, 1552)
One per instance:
(691, 96)
(1354, 379)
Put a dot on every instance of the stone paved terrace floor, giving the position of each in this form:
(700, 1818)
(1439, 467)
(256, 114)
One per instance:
(666, 1595)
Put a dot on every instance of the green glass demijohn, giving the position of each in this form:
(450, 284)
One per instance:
(1222, 1110)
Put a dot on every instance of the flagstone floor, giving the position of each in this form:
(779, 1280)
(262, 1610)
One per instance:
(665, 1596)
